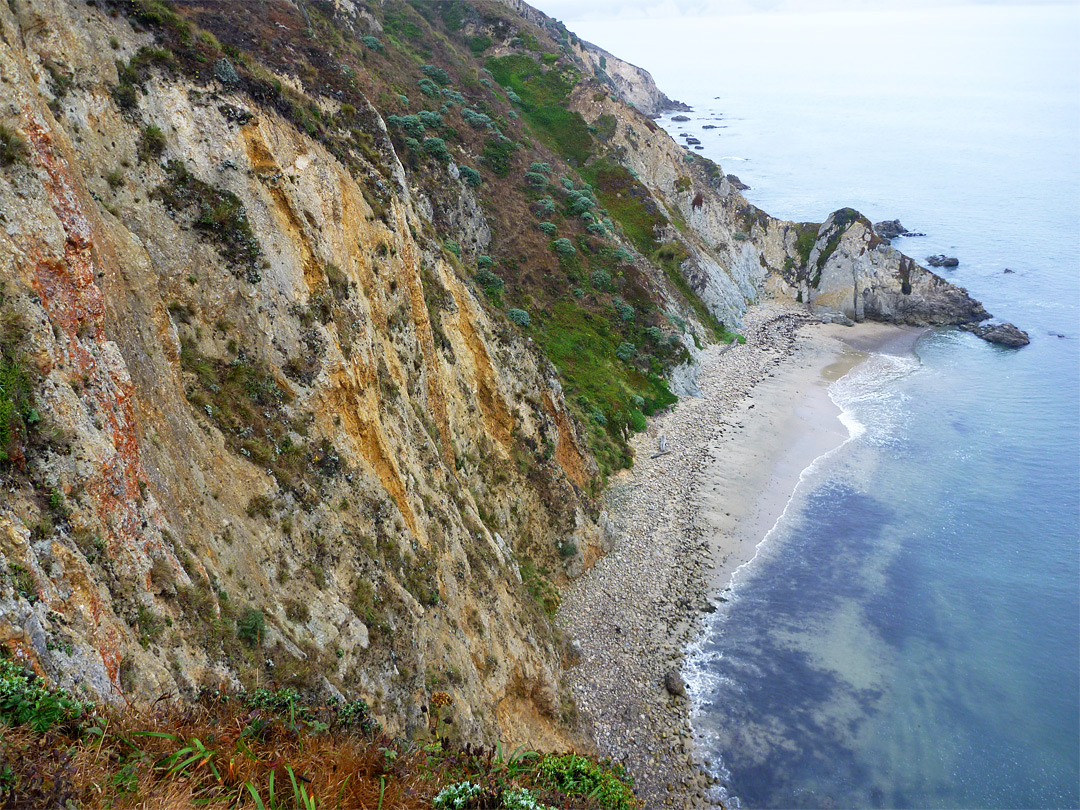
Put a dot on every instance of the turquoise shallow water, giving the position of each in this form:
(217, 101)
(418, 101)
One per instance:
(908, 634)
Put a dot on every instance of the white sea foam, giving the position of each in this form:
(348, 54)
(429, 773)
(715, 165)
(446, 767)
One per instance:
(871, 407)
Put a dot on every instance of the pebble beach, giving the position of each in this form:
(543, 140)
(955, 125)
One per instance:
(710, 477)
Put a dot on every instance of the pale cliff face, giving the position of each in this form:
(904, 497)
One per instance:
(326, 428)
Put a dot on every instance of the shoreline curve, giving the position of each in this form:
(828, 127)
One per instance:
(685, 521)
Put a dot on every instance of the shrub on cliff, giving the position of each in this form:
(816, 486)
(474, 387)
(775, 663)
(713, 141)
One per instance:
(411, 124)
(220, 215)
(564, 247)
(18, 416)
(480, 43)
(519, 316)
(251, 626)
(436, 74)
(471, 176)
(475, 119)
(492, 284)
(430, 119)
(12, 147)
(536, 180)
(152, 144)
(436, 147)
(497, 153)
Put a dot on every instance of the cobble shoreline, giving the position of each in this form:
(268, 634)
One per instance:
(633, 615)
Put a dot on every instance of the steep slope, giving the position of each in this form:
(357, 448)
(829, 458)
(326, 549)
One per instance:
(323, 323)
(276, 436)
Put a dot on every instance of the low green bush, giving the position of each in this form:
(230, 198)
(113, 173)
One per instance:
(436, 147)
(218, 213)
(436, 74)
(563, 247)
(471, 176)
(152, 143)
(251, 627)
(577, 776)
(492, 284)
(497, 153)
(25, 700)
(430, 119)
(479, 43)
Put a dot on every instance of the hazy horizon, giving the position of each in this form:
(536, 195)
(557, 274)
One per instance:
(573, 10)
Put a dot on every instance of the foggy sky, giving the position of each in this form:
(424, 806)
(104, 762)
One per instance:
(570, 10)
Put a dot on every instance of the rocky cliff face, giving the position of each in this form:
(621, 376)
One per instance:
(261, 400)
(734, 252)
(629, 83)
(274, 405)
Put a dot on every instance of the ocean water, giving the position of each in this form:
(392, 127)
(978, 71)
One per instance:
(908, 633)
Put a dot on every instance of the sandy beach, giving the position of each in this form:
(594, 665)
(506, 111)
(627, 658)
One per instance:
(685, 520)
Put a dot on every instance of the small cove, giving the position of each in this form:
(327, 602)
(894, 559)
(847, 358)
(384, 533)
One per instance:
(908, 635)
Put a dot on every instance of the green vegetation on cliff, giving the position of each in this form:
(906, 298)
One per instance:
(442, 105)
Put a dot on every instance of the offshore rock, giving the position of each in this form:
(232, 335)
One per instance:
(889, 229)
(1003, 334)
(941, 260)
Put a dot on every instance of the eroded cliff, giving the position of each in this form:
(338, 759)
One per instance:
(260, 401)
(322, 324)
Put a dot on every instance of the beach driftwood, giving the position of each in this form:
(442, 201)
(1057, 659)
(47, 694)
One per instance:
(663, 451)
